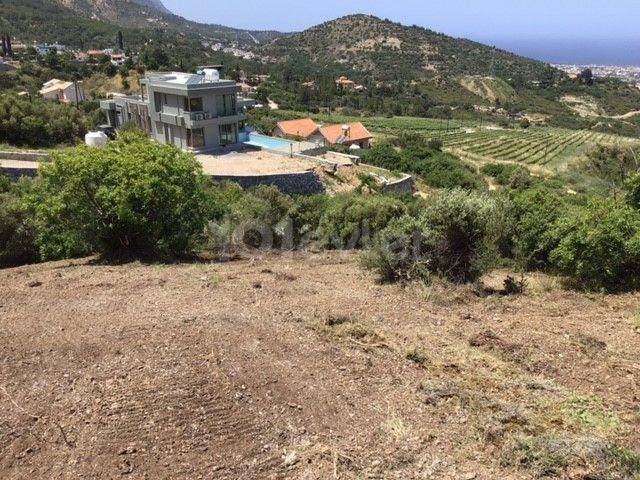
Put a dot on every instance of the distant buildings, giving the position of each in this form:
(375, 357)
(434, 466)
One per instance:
(62, 91)
(344, 83)
(44, 49)
(245, 88)
(195, 112)
(118, 59)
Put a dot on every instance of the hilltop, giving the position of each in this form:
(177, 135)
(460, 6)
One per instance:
(386, 50)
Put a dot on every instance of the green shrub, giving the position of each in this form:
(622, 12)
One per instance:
(510, 174)
(382, 155)
(5, 183)
(220, 197)
(351, 220)
(441, 170)
(536, 211)
(397, 254)
(454, 238)
(305, 217)
(17, 237)
(632, 186)
(437, 169)
(131, 197)
(599, 245)
(436, 144)
(258, 218)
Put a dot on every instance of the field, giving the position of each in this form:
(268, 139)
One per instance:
(543, 146)
(270, 368)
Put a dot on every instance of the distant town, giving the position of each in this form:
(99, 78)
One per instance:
(629, 73)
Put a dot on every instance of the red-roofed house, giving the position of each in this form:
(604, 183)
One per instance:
(302, 128)
(348, 135)
(344, 83)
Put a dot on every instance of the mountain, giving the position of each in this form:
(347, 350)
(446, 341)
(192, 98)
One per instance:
(388, 50)
(82, 23)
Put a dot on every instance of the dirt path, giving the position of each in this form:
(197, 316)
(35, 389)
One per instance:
(305, 368)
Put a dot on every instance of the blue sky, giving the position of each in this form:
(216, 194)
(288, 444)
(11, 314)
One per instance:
(534, 27)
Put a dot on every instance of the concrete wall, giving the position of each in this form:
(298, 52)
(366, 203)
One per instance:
(404, 185)
(25, 156)
(299, 183)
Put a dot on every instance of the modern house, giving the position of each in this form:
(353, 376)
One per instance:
(304, 128)
(62, 91)
(195, 112)
(353, 135)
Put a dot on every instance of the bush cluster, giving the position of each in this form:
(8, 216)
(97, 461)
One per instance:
(416, 156)
(132, 197)
(38, 123)
(138, 198)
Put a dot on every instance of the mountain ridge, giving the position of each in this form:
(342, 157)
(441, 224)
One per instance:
(370, 44)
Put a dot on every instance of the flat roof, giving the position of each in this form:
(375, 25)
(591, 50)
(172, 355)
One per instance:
(185, 80)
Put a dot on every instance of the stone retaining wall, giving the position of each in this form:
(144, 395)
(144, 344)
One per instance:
(15, 173)
(297, 183)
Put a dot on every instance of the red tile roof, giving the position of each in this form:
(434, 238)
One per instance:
(304, 127)
(334, 133)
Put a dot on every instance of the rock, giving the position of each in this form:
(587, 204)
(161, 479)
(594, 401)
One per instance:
(290, 459)
(35, 283)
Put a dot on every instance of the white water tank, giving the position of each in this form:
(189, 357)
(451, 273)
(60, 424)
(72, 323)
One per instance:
(211, 75)
(96, 139)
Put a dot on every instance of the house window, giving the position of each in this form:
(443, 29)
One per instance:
(195, 138)
(227, 134)
(193, 104)
(157, 99)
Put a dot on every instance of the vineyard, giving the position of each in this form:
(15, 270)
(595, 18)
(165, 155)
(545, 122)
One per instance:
(545, 147)
(548, 147)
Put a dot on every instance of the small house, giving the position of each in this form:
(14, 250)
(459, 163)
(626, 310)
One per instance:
(62, 91)
(304, 128)
(351, 135)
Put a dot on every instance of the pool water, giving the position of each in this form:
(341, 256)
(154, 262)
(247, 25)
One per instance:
(270, 143)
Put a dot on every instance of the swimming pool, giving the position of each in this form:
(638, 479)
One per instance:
(270, 143)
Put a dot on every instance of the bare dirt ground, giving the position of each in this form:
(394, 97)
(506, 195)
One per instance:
(306, 368)
(252, 163)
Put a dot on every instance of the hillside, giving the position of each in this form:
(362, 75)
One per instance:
(273, 368)
(386, 50)
(80, 22)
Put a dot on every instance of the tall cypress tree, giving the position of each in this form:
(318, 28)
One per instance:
(4, 46)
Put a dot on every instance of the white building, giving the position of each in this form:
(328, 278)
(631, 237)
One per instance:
(62, 91)
(45, 49)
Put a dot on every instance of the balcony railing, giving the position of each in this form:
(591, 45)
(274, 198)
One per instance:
(199, 116)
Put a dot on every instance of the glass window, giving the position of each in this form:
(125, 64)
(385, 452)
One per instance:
(227, 134)
(193, 104)
(157, 99)
(195, 138)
